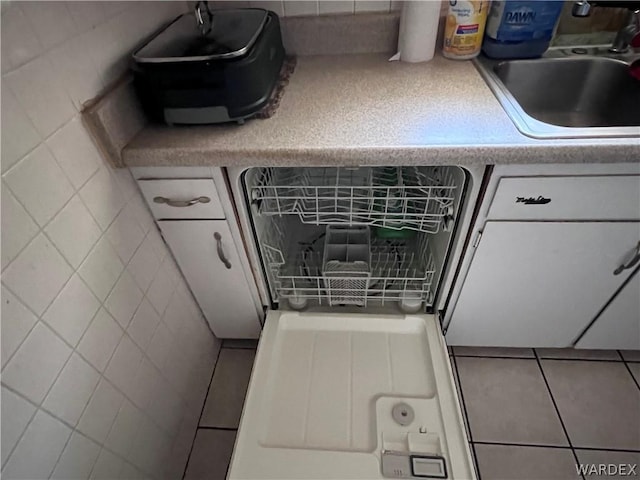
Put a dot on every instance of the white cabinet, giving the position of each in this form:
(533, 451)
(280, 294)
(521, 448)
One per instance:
(618, 327)
(539, 284)
(209, 260)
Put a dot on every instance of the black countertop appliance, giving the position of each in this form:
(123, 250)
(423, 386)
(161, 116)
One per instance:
(220, 69)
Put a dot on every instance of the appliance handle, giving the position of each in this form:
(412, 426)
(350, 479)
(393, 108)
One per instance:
(181, 203)
(221, 255)
(630, 260)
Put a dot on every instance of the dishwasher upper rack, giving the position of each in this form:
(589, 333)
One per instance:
(412, 198)
(400, 270)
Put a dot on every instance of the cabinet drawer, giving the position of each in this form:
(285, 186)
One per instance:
(182, 198)
(604, 197)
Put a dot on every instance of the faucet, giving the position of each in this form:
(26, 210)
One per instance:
(627, 35)
(204, 19)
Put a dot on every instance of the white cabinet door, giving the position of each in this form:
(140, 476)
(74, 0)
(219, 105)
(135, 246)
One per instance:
(539, 284)
(201, 248)
(619, 325)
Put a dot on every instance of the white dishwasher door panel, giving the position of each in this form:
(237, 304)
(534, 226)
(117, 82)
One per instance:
(539, 284)
(322, 394)
(618, 327)
(222, 293)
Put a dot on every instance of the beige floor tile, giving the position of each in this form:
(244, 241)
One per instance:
(578, 354)
(211, 455)
(598, 457)
(494, 352)
(460, 398)
(510, 462)
(508, 402)
(635, 371)
(631, 356)
(598, 401)
(228, 388)
(240, 343)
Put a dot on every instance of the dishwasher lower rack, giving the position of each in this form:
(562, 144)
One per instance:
(399, 198)
(400, 270)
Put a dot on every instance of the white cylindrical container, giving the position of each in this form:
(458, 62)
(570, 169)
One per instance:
(418, 30)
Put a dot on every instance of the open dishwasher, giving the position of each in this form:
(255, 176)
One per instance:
(352, 376)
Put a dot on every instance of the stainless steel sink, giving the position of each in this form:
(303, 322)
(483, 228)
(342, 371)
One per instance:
(567, 97)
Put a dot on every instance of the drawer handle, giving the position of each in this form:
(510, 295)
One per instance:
(181, 203)
(223, 259)
(630, 261)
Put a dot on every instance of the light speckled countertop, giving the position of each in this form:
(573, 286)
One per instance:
(362, 110)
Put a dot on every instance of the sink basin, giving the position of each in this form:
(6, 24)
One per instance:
(567, 97)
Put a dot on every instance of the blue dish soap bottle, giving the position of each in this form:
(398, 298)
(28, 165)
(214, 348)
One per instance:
(520, 29)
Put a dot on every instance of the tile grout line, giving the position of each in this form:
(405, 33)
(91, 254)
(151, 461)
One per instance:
(626, 364)
(537, 445)
(466, 415)
(201, 412)
(542, 358)
(224, 429)
(555, 406)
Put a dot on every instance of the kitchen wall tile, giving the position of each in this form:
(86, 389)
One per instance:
(107, 466)
(326, 7)
(273, 5)
(37, 274)
(77, 459)
(598, 402)
(160, 345)
(39, 448)
(372, 5)
(42, 95)
(75, 152)
(103, 197)
(124, 299)
(144, 324)
(36, 364)
(101, 269)
(17, 322)
(144, 265)
(18, 228)
(294, 8)
(72, 310)
(123, 366)
(100, 340)
(72, 390)
(125, 234)
(16, 414)
(160, 290)
(124, 429)
(18, 134)
(85, 14)
(101, 412)
(19, 42)
(39, 184)
(51, 22)
(74, 231)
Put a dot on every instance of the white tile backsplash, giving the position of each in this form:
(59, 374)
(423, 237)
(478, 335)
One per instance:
(292, 8)
(72, 390)
(16, 414)
(77, 459)
(80, 397)
(37, 274)
(38, 450)
(36, 364)
(17, 228)
(72, 310)
(39, 184)
(17, 322)
(74, 231)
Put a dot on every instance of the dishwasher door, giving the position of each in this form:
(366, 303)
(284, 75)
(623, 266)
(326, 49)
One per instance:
(357, 396)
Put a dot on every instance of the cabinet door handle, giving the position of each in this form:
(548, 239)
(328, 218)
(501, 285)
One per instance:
(223, 259)
(181, 203)
(630, 261)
